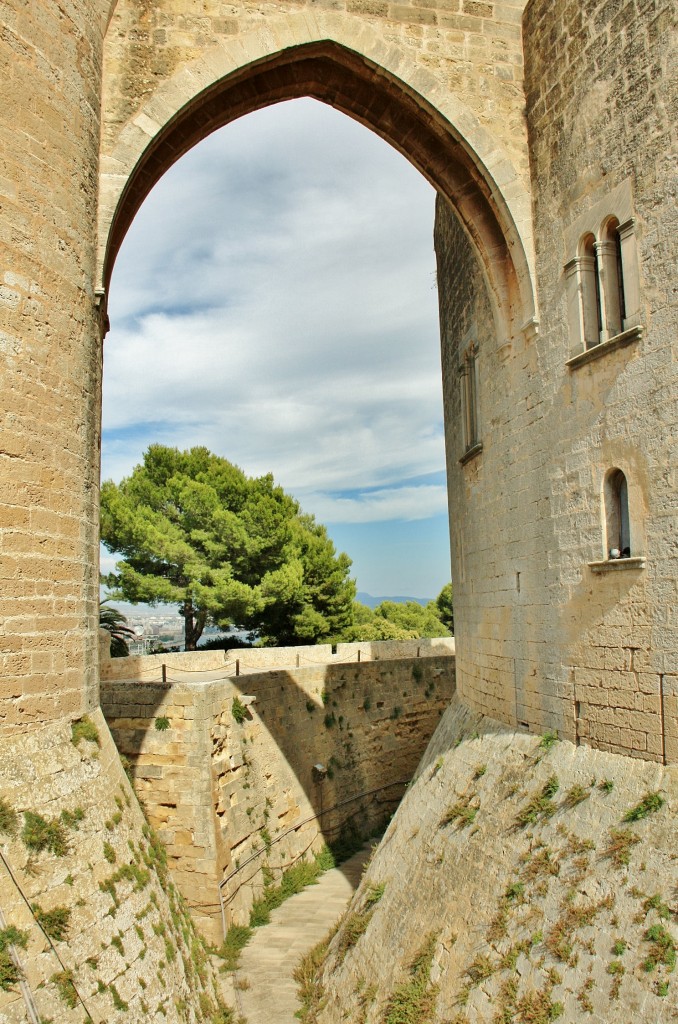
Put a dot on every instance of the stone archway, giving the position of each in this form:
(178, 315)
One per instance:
(414, 113)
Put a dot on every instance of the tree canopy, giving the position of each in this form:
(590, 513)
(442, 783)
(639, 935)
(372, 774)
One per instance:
(228, 549)
(409, 620)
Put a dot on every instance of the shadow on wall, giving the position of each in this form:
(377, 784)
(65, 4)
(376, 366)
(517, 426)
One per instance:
(244, 774)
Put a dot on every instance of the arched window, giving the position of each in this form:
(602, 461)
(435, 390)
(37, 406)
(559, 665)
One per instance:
(611, 277)
(617, 525)
(591, 307)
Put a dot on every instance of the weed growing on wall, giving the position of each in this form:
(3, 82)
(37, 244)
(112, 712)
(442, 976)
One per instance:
(84, 729)
(65, 987)
(650, 803)
(9, 972)
(238, 710)
(39, 834)
(414, 1001)
(53, 922)
(9, 819)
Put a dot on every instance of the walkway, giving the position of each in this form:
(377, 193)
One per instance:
(267, 962)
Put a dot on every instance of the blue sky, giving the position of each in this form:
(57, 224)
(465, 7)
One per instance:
(275, 301)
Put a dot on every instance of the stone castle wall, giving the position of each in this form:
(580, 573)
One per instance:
(550, 633)
(127, 948)
(50, 366)
(229, 798)
(598, 87)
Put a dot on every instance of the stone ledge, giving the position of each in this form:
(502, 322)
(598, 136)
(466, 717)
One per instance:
(600, 350)
(617, 564)
(471, 453)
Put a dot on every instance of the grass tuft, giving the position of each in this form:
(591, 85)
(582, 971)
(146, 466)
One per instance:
(39, 834)
(84, 729)
(650, 803)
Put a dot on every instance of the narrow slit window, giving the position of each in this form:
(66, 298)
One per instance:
(468, 379)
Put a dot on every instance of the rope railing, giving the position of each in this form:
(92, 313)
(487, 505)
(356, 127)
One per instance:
(264, 851)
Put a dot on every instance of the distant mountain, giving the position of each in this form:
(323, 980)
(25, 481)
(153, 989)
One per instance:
(372, 602)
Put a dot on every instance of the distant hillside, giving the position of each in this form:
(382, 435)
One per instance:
(372, 601)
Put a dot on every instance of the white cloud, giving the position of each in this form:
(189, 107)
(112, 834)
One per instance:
(274, 301)
(408, 503)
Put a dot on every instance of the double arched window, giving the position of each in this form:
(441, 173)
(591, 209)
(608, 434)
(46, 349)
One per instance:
(602, 284)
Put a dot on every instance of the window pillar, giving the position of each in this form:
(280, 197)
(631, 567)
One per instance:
(610, 296)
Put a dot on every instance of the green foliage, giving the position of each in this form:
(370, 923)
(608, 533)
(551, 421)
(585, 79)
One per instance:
(84, 729)
(53, 922)
(414, 1001)
(162, 723)
(619, 947)
(606, 786)
(575, 795)
(374, 894)
(620, 842)
(73, 818)
(445, 607)
(109, 853)
(9, 819)
(39, 834)
(238, 710)
(307, 975)
(548, 739)
(9, 972)
(393, 620)
(650, 803)
(662, 949)
(540, 806)
(66, 988)
(194, 531)
(237, 937)
(118, 1002)
(115, 623)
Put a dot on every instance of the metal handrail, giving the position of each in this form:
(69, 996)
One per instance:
(294, 828)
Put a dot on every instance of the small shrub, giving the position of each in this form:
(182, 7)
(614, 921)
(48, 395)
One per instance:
(479, 771)
(162, 724)
(53, 922)
(237, 937)
(310, 706)
(329, 720)
(514, 892)
(73, 818)
(374, 894)
(109, 853)
(414, 1001)
(118, 1002)
(352, 929)
(619, 947)
(461, 812)
(575, 795)
(606, 786)
(39, 834)
(655, 903)
(266, 839)
(538, 1008)
(662, 988)
(9, 819)
(84, 729)
(10, 974)
(620, 842)
(541, 805)
(662, 949)
(650, 803)
(548, 739)
(65, 987)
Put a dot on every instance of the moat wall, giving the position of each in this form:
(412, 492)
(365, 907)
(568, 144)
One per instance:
(128, 950)
(539, 918)
(229, 798)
